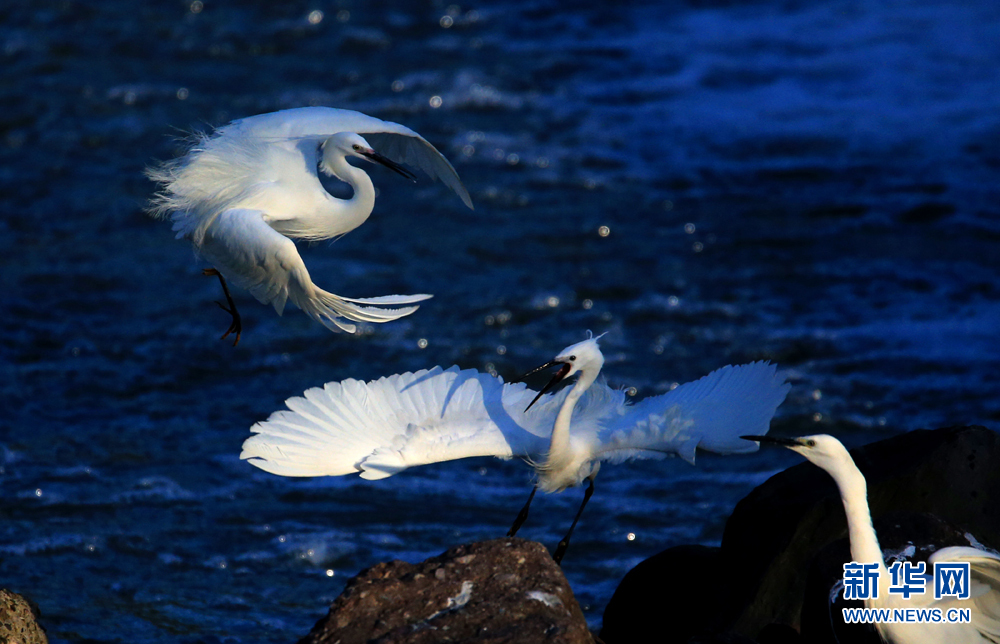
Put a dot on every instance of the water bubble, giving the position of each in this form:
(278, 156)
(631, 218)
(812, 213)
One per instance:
(197, 6)
(398, 85)
(689, 228)
(513, 159)
(498, 154)
(668, 205)
(329, 572)
(881, 421)
(631, 391)
(587, 304)
(282, 539)
(552, 301)
(38, 492)
(604, 231)
(129, 98)
(483, 471)
(468, 150)
(472, 16)
(315, 17)
(697, 247)
(453, 10)
(435, 102)
(501, 349)
(542, 162)
(817, 417)
(630, 536)
(817, 394)
(343, 15)
(446, 21)
(589, 184)
(489, 320)
(422, 343)
(673, 301)
(674, 385)
(182, 93)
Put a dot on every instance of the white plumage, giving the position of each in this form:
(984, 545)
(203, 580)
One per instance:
(382, 427)
(242, 194)
(830, 454)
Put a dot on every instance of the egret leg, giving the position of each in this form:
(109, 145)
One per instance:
(237, 324)
(522, 516)
(564, 544)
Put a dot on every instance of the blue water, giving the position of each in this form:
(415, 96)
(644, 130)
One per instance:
(812, 183)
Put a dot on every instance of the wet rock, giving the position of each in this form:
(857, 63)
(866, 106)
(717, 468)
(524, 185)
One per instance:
(664, 598)
(504, 590)
(777, 530)
(19, 620)
(903, 536)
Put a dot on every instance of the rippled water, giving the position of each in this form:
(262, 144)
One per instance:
(812, 185)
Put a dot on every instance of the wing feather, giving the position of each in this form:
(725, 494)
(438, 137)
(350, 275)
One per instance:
(395, 141)
(381, 427)
(710, 413)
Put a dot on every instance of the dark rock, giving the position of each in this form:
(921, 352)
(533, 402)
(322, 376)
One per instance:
(504, 590)
(663, 599)
(19, 620)
(910, 537)
(777, 530)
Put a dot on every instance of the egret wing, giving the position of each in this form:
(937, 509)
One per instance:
(382, 427)
(395, 141)
(711, 413)
(984, 568)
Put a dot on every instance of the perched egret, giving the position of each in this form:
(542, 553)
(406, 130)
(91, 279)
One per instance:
(242, 194)
(984, 602)
(384, 426)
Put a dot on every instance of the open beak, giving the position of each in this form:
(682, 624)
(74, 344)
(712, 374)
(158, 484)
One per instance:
(374, 156)
(556, 379)
(776, 440)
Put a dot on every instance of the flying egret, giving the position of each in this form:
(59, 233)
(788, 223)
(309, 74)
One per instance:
(242, 194)
(984, 603)
(384, 426)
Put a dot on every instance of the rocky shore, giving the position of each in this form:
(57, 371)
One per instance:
(769, 582)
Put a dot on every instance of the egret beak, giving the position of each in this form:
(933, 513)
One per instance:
(375, 157)
(777, 440)
(559, 375)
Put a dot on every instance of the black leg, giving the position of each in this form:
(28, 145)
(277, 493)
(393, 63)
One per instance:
(522, 516)
(237, 324)
(564, 544)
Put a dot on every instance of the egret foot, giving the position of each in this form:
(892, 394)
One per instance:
(564, 544)
(237, 324)
(522, 516)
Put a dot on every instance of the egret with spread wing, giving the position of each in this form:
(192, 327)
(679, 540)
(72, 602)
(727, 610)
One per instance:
(984, 567)
(382, 427)
(242, 194)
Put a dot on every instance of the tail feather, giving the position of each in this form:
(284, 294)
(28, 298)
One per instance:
(337, 313)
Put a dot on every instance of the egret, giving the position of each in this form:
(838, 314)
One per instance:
(984, 603)
(244, 193)
(384, 426)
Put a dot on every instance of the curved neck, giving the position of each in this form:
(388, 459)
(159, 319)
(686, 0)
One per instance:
(559, 443)
(345, 215)
(854, 495)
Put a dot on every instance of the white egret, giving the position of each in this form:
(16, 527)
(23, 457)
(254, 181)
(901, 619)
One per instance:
(384, 426)
(242, 194)
(984, 603)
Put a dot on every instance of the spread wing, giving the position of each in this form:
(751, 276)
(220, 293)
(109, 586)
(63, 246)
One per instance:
(382, 427)
(711, 413)
(395, 141)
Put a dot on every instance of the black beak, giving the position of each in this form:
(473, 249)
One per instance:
(389, 163)
(559, 375)
(777, 440)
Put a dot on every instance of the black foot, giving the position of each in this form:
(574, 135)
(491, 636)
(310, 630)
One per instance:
(237, 324)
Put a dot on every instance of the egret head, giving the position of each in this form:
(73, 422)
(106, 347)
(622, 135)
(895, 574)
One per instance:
(822, 450)
(583, 357)
(349, 144)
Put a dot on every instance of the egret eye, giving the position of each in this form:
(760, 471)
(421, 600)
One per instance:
(356, 147)
(572, 358)
(811, 443)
